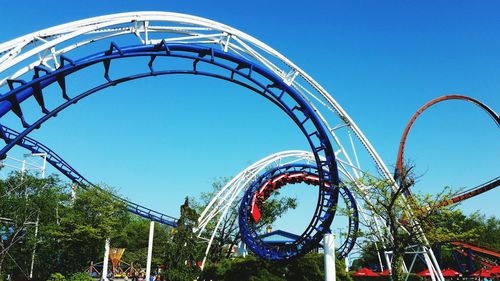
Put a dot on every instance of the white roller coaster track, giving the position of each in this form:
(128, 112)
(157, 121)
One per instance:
(19, 56)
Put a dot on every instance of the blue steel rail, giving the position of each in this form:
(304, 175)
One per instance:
(262, 188)
(232, 68)
(346, 247)
(62, 166)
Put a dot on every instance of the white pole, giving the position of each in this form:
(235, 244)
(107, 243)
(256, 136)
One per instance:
(430, 266)
(34, 247)
(73, 193)
(150, 250)
(388, 261)
(347, 263)
(439, 274)
(329, 249)
(104, 275)
(44, 165)
(242, 249)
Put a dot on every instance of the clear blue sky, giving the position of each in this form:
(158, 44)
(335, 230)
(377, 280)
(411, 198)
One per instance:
(161, 139)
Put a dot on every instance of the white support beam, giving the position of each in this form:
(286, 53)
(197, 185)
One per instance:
(329, 256)
(150, 249)
(34, 247)
(104, 274)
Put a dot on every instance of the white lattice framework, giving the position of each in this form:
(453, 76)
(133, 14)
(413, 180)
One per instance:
(355, 154)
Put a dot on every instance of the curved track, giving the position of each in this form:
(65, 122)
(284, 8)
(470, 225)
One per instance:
(249, 213)
(241, 72)
(399, 162)
(62, 166)
(253, 203)
(45, 48)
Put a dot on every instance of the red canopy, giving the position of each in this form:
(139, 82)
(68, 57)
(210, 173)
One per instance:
(424, 273)
(450, 273)
(365, 272)
(481, 273)
(495, 270)
(386, 272)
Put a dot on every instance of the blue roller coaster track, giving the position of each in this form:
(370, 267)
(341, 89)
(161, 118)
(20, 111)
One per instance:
(231, 68)
(62, 166)
(274, 179)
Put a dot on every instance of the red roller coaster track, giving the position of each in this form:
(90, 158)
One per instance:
(475, 248)
(399, 162)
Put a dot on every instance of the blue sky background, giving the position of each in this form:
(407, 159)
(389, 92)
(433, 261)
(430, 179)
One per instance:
(161, 139)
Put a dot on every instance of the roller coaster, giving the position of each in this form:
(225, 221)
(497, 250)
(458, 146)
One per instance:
(487, 258)
(399, 170)
(32, 66)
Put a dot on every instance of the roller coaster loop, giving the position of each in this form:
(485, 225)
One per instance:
(253, 202)
(399, 162)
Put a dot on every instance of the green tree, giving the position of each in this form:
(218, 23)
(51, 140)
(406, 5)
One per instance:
(488, 230)
(80, 276)
(456, 226)
(80, 233)
(63, 228)
(442, 227)
(307, 268)
(437, 222)
(183, 252)
(56, 277)
(71, 233)
(25, 201)
(406, 218)
(134, 238)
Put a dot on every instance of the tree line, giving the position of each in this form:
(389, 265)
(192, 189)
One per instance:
(66, 232)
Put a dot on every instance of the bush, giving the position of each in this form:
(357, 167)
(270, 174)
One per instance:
(307, 268)
(370, 278)
(56, 277)
(80, 276)
(414, 277)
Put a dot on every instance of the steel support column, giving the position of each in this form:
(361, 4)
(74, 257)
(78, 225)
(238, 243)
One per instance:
(150, 249)
(104, 274)
(329, 249)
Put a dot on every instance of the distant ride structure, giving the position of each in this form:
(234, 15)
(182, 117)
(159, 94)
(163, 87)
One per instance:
(399, 170)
